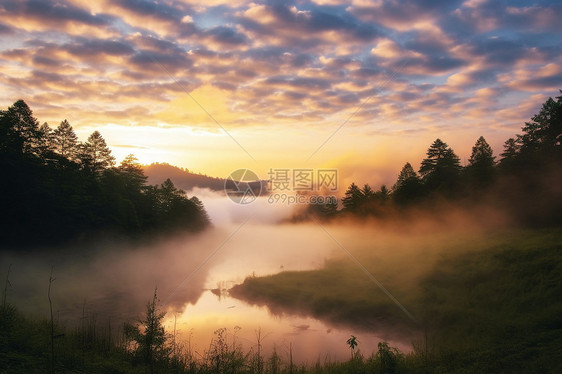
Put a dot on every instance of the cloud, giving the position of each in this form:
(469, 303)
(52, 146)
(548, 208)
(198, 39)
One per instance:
(283, 24)
(486, 16)
(545, 78)
(34, 15)
(227, 35)
(400, 15)
(272, 64)
(5, 29)
(83, 47)
(160, 63)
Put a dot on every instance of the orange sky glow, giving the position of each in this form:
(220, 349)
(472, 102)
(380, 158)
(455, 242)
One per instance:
(364, 86)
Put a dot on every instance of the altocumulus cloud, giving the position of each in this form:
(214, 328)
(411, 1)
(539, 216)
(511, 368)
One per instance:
(273, 60)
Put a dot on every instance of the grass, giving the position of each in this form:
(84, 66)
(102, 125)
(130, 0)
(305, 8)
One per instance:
(25, 348)
(489, 303)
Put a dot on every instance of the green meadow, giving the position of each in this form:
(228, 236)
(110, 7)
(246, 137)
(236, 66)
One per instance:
(480, 302)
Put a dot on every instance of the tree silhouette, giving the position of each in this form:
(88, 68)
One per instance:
(84, 196)
(480, 170)
(204, 217)
(441, 168)
(45, 139)
(510, 149)
(545, 130)
(408, 187)
(353, 198)
(150, 340)
(325, 209)
(95, 155)
(482, 155)
(19, 130)
(367, 192)
(65, 141)
(132, 171)
(407, 173)
(382, 195)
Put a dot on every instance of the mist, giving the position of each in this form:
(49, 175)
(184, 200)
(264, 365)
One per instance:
(114, 280)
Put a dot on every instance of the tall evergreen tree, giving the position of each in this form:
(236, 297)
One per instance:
(382, 195)
(510, 150)
(65, 141)
(95, 154)
(133, 173)
(545, 130)
(480, 170)
(367, 192)
(408, 187)
(407, 173)
(441, 168)
(203, 216)
(45, 138)
(482, 155)
(19, 130)
(353, 198)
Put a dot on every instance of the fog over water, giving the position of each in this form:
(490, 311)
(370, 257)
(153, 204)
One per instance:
(114, 281)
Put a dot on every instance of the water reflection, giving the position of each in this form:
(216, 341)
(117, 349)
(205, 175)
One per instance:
(114, 281)
(309, 339)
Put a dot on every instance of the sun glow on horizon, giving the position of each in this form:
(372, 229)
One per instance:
(215, 91)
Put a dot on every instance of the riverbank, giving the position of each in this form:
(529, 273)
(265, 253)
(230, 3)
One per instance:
(488, 302)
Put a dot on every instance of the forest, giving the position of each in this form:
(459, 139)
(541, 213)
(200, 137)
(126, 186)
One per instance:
(55, 189)
(524, 182)
(489, 302)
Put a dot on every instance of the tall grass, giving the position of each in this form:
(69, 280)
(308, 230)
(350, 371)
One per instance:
(92, 347)
(491, 303)
(493, 309)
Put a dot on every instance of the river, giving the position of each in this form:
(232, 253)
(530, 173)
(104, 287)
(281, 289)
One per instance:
(192, 273)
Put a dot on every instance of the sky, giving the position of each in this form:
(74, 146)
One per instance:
(216, 85)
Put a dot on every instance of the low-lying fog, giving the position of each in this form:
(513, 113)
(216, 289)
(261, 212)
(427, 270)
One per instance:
(114, 281)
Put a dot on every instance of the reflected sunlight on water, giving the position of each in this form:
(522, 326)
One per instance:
(310, 339)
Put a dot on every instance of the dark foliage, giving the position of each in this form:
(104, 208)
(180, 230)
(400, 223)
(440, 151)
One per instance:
(525, 183)
(54, 189)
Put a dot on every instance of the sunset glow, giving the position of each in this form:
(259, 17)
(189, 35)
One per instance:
(215, 86)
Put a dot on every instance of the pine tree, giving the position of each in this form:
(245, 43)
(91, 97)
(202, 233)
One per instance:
(482, 155)
(406, 174)
(408, 187)
(510, 150)
(133, 173)
(19, 130)
(65, 141)
(441, 168)
(45, 139)
(203, 216)
(367, 192)
(353, 198)
(545, 130)
(95, 155)
(382, 195)
(481, 165)
(150, 344)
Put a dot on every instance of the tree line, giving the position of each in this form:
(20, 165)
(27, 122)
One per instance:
(54, 188)
(525, 182)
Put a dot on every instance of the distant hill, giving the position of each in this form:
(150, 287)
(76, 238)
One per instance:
(157, 173)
